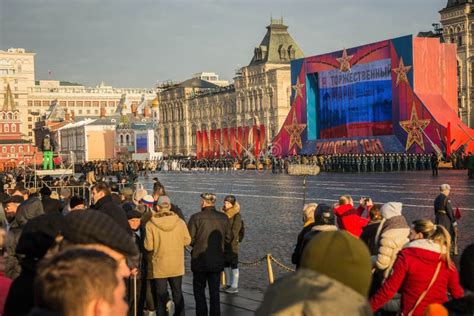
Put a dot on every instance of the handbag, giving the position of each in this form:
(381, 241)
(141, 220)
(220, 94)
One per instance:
(422, 296)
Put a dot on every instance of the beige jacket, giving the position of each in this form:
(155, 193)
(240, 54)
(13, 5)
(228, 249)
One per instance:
(165, 239)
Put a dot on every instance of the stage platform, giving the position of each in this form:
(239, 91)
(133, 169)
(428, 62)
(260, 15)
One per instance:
(54, 172)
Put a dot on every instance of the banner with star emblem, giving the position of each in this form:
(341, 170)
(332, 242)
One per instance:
(401, 92)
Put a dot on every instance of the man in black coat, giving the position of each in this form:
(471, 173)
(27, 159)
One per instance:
(49, 205)
(444, 214)
(210, 238)
(104, 202)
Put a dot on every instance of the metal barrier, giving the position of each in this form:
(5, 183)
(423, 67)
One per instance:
(83, 191)
(268, 258)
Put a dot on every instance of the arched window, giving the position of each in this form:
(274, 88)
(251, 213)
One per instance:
(6, 128)
(127, 139)
(12, 149)
(10, 116)
(20, 149)
(121, 139)
(13, 127)
(181, 136)
(4, 149)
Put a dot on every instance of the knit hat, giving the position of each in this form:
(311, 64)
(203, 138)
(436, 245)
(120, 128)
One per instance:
(324, 215)
(231, 199)
(14, 199)
(93, 227)
(467, 268)
(45, 191)
(127, 193)
(138, 195)
(38, 235)
(148, 200)
(340, 256)
(164, 201)
(391, 209)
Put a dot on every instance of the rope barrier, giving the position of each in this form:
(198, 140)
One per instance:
(281, 265)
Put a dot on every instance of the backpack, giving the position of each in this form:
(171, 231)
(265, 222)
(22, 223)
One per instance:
(242, 232)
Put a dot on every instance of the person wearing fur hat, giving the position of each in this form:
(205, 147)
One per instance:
(231, 208)
(308, 223)
(333, 279)
(166, 237)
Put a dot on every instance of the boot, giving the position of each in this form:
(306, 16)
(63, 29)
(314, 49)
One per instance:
(234, 288)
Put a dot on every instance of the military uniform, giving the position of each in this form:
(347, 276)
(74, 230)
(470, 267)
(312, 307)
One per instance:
(444, 214)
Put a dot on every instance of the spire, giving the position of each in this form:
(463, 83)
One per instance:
(8, 103)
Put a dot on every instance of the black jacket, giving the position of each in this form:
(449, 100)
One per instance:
(51, 205)
(143, 258)
(210, 238)
(296, 256)
(444, 214)
(109, 207)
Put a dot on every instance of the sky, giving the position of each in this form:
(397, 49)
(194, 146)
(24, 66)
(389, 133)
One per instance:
(138, 43)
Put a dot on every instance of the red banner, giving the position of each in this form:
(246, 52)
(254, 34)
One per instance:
(256, 141)
(205, 144)
(198, 145)
(233, 145)
(263, 138)
(225, 140)
(212, 139)
(240, 139)
(245, 142)
(218, 144)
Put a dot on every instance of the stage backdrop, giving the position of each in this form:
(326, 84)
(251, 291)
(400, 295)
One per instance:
(396, 95)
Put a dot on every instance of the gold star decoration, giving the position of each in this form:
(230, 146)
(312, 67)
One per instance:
(401, 72)
(345, 61)
(298, 88)
(414, 127)
(294, 131)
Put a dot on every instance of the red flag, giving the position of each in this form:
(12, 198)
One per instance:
(233, 145)
(245, 142)
(205, 144)
(218, 145)
(198, 144)
(263, 137)
(225, 140)
(457, 213)
(240, 139)
(212, 139)
(256, 141)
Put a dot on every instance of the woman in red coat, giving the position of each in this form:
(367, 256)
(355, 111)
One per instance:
(414, 270)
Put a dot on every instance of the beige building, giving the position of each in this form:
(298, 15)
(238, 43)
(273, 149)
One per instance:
(260, 95)
(458, 28)
(33, 98)
(91, 139)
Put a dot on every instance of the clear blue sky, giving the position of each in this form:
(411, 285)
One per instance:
(136, 43)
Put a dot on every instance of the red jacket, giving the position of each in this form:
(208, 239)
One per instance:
(412, 273)
(349, 219)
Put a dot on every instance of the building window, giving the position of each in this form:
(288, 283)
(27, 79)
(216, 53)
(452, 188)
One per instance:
(127, 139)
(30, 126)
(4, 149)
(30, 119)
(80, 111)
(6, 128)
(460, 41)
(121, 139)
(88, 111)
(12, 149)
(20, 149)
(13, 128)
(30, 133)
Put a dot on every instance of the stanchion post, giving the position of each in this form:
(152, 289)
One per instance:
(270, 268)
(304, 190)
(223, 280)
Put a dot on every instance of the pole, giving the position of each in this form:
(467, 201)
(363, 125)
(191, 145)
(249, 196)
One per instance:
(304, 191)
(134, 295)
(270, 268)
